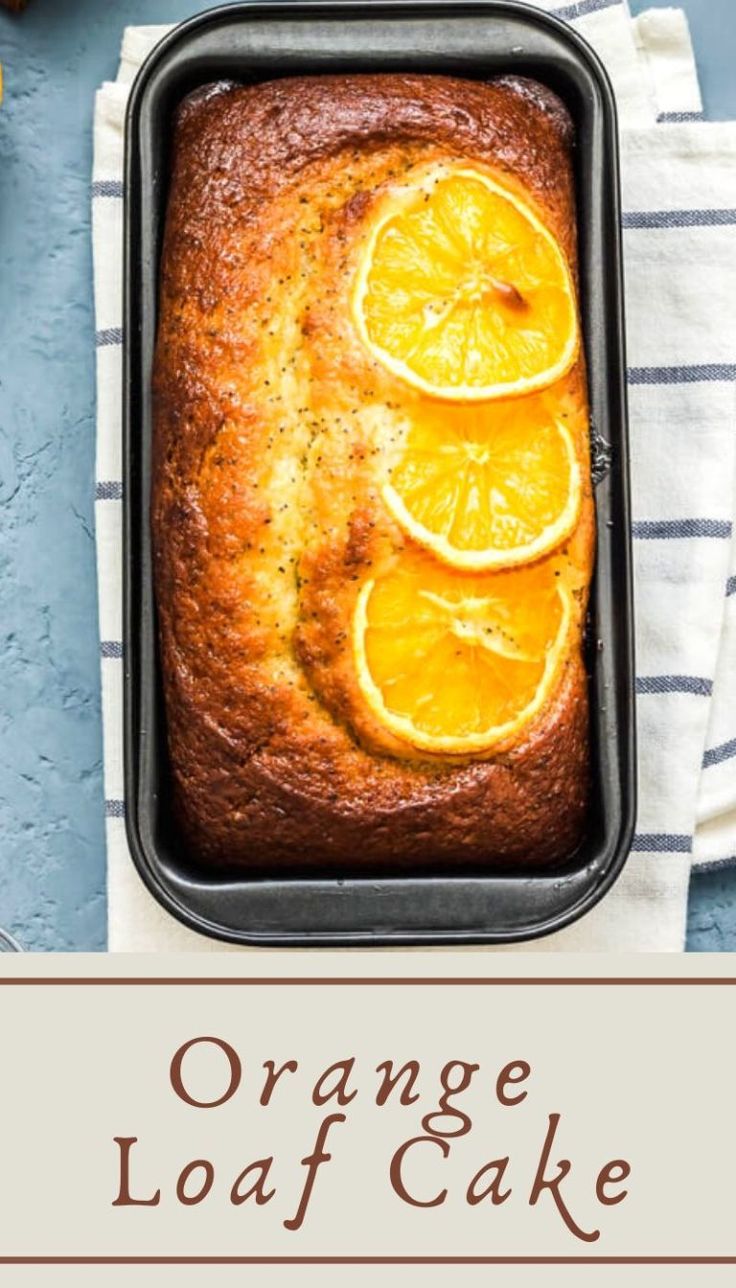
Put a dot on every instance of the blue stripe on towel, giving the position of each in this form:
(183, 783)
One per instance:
(716, 218)
(572, 11)
(111, 648)
(674, 684)
(731, 586)
(685, 375)
(114, 809)
(107, 188)
(109, 490)
(678, 118)
(111, 335)
(667, 529)
(662, 843)
(716, 755)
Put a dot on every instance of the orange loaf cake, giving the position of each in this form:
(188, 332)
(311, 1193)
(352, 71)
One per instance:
(372, 508)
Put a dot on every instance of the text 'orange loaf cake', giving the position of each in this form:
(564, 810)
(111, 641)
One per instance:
(372, 508)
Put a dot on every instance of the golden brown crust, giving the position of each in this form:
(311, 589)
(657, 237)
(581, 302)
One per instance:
(266, 512)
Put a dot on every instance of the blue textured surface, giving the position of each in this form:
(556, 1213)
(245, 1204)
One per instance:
(51, 801)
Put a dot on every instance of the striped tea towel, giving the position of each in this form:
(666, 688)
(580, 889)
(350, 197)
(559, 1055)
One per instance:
(662, 37)
(679, 192)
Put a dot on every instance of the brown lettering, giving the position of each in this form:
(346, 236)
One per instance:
(606, 1177)
(444, 1107)
(189, 1200)
(175, 1073)
(340, 1090)
(272, 1076)
(256, 1190)
(124, 1198)
(498, 1196)
(397, 1182)
(407, 1096)
(542, 1183)
(507, 1077)
(312, 1162)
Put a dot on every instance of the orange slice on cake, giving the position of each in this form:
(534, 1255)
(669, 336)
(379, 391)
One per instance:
(462, 291)
(456, 664)
(487, 486)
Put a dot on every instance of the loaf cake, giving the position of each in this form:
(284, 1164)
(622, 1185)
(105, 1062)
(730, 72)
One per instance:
(372, 511)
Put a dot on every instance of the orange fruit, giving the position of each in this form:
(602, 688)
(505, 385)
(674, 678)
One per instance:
(456, 664)
(487, 486)
(462, 291)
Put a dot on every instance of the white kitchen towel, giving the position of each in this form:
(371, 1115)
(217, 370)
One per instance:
(662, 39)
(679, 197)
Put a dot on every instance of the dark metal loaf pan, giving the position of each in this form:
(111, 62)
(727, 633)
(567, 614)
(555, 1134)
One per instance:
(257, 42)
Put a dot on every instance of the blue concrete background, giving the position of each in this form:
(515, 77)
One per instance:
(52, 866)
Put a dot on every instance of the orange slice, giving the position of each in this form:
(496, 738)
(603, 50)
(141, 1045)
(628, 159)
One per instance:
(463, 292)
(455, 664)
(489, 486)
